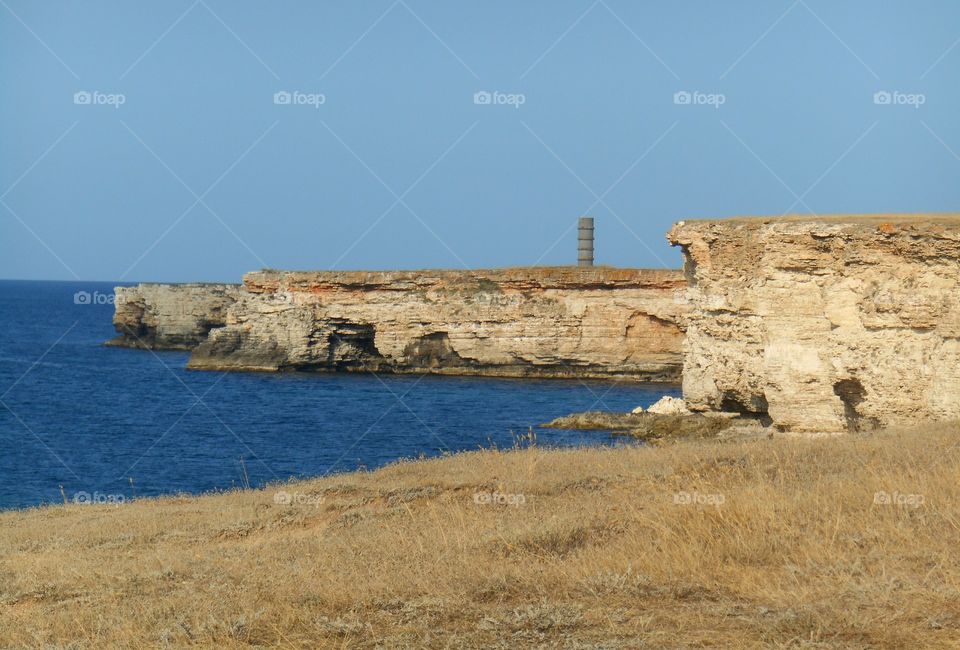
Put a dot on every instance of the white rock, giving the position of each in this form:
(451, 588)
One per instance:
(639, 409)
(669, 406)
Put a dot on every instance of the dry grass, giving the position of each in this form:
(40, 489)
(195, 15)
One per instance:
(599, 554)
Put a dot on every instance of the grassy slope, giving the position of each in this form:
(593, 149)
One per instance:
(798, 555)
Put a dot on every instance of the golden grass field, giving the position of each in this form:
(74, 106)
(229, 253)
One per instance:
(589, 548)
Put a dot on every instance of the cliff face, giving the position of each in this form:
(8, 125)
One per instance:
(825, 324)
(548, 322)
(170, 316)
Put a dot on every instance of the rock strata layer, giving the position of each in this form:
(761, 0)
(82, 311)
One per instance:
(170, 316)
(525, 322)
(824, 324)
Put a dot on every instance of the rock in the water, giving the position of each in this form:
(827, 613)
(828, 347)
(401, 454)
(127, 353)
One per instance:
(639, 409)
(170, 316)
(667, 405)
(645, 426)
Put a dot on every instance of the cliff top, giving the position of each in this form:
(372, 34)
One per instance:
(939, 218)
(181, 285)
(543, 277)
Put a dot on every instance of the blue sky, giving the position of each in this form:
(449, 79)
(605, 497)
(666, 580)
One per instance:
(182, 167)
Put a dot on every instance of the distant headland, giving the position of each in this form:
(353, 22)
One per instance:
(832, 323)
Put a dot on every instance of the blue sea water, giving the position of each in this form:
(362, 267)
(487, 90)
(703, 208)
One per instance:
(126, 423)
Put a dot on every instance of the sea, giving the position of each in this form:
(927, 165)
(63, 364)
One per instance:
(82, 422)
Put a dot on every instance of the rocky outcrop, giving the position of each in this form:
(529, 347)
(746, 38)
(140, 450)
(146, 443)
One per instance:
(824, 324)
(170, 316)
(653, 427)
(537, 322)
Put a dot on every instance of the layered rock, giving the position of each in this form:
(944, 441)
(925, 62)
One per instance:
(170, 316)
(824, 324)
(541, 322)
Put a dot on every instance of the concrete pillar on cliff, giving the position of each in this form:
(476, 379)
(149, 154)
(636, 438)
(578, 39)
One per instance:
(585, 242)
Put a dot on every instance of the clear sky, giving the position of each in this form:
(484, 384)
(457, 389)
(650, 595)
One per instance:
(178, 164)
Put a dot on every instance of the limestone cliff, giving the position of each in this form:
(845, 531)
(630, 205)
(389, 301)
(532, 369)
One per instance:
(825, 324)
(170, 316)
(543, 322)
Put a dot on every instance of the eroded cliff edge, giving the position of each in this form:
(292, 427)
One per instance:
(825, 324)
(523, 322)
(170, 316)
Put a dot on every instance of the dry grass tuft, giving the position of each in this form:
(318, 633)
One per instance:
(784, 543)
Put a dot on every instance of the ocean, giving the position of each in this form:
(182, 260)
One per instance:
(86, 422)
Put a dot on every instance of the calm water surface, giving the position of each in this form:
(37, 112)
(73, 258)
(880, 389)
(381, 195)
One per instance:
(76, 414)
